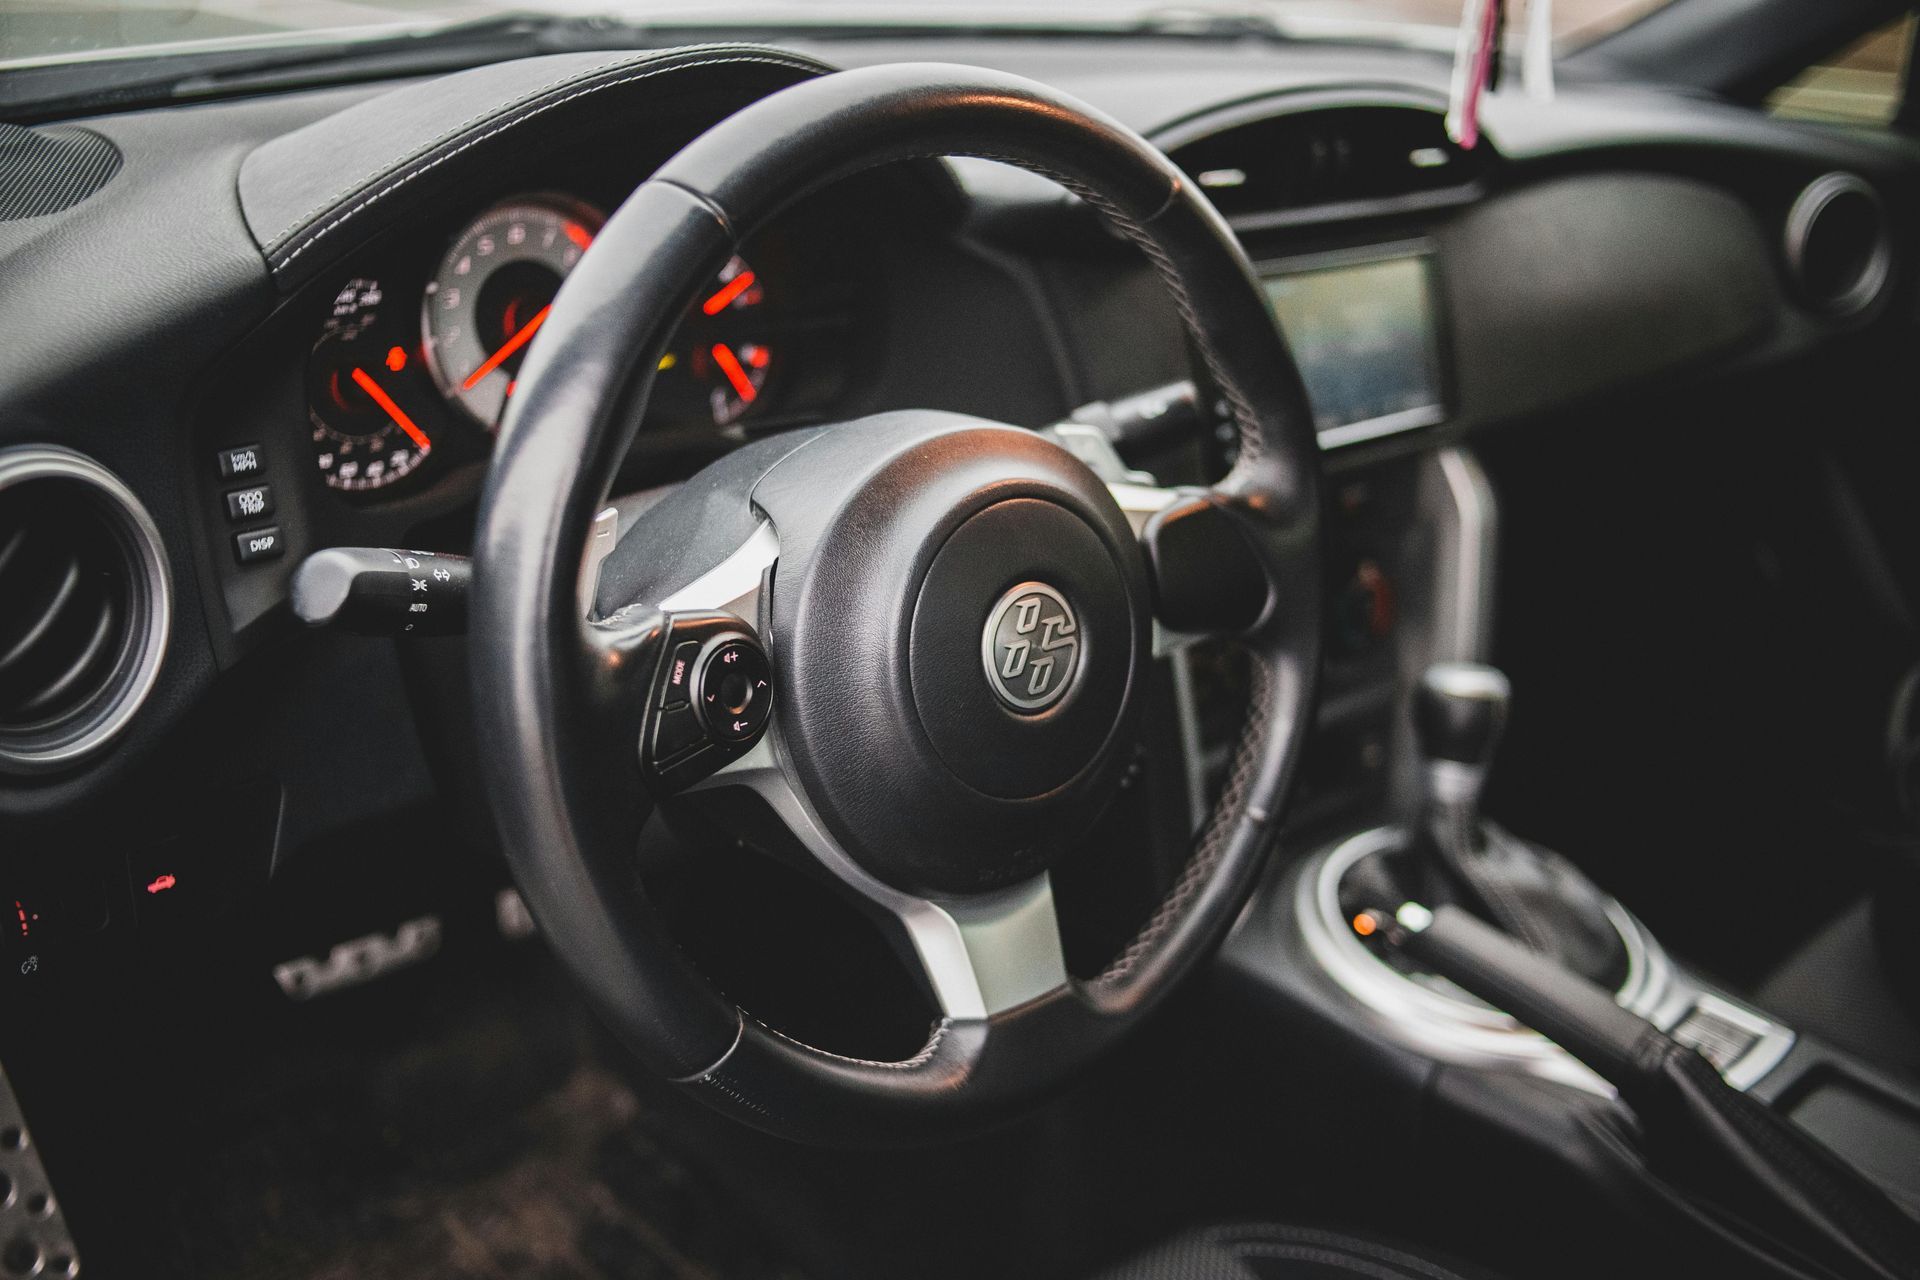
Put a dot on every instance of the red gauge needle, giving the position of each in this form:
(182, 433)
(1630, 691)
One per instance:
(394, 411)
(511, 345)
(728, 292)
(730, 365)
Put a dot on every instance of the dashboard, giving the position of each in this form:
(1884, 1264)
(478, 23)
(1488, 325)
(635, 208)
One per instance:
(364, 409)
(288, 321)
(292, 322)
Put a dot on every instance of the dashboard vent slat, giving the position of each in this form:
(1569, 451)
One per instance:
(40, 610)
(60, 592)
(85, 668)
(83, 606)
(1328, 156)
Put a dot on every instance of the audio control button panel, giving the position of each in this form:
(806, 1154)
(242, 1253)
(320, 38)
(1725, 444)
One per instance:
(711, 699)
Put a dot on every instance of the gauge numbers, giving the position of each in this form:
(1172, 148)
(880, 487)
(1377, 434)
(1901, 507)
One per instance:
(492, 292)
(361, 380)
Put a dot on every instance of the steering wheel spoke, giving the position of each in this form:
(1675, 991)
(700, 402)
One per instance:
(977, 955)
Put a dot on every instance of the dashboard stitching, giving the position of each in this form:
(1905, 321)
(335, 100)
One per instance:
(286, 232)
(651, 58)
(411, 174)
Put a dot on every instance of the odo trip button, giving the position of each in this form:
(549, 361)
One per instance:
(736, 691)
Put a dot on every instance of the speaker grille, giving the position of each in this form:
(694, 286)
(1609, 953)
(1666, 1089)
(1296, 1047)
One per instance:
(82, 606)
(43, 171)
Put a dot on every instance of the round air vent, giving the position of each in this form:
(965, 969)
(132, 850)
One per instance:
(1839, 246)
(84, 599)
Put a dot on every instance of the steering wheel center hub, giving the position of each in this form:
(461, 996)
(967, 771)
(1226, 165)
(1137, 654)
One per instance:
(961, 618)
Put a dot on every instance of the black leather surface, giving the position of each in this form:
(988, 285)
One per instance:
(894, 752)
(1736, 1159)
(536, 673)
(1263, 1252)
(321, 189)
(138, 291)
(566, 794)
(133, 293)
(1839, 987)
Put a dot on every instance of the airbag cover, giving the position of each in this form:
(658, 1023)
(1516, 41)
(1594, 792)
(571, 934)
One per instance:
(993, 746)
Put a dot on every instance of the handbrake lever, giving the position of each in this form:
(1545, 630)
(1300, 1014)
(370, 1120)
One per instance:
(1710, 1139)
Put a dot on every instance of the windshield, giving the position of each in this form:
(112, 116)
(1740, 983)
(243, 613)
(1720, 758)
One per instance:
(51, 31)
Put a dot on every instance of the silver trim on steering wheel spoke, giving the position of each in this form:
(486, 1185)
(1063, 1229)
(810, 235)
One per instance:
(980, 954)
(1140, 503)
(733, 585)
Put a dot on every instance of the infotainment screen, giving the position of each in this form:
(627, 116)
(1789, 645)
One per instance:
(1363, 335)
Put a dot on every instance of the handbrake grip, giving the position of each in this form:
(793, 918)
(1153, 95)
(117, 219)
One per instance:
(1716, 1143)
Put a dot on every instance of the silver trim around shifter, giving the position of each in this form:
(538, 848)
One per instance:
(1433, 1017)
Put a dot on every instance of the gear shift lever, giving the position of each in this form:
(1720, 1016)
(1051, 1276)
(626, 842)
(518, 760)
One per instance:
(1459, 713)
(1532, 894)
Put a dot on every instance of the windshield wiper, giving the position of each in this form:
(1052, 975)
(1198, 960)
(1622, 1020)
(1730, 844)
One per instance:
(307, 59)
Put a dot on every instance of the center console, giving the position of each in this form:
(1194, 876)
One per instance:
(1387, 810)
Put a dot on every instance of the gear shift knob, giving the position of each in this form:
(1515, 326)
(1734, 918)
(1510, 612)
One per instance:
(1459, 711)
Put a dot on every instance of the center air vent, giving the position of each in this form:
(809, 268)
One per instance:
(1280, 165)
(1839, 245)
(83, 607)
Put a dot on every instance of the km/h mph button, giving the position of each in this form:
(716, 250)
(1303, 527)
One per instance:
(736, 690)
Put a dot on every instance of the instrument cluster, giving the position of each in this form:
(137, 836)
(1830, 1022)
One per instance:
(415, 357)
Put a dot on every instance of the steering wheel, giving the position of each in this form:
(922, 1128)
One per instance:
(910, 649)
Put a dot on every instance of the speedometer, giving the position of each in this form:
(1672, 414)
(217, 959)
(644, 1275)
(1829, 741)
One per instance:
(492, 293)
(362, 393)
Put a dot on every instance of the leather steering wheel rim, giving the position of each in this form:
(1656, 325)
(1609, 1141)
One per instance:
(560, 769)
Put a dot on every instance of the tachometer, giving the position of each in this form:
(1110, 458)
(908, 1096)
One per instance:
(362, 393)
(492, 293)
(721, 349)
